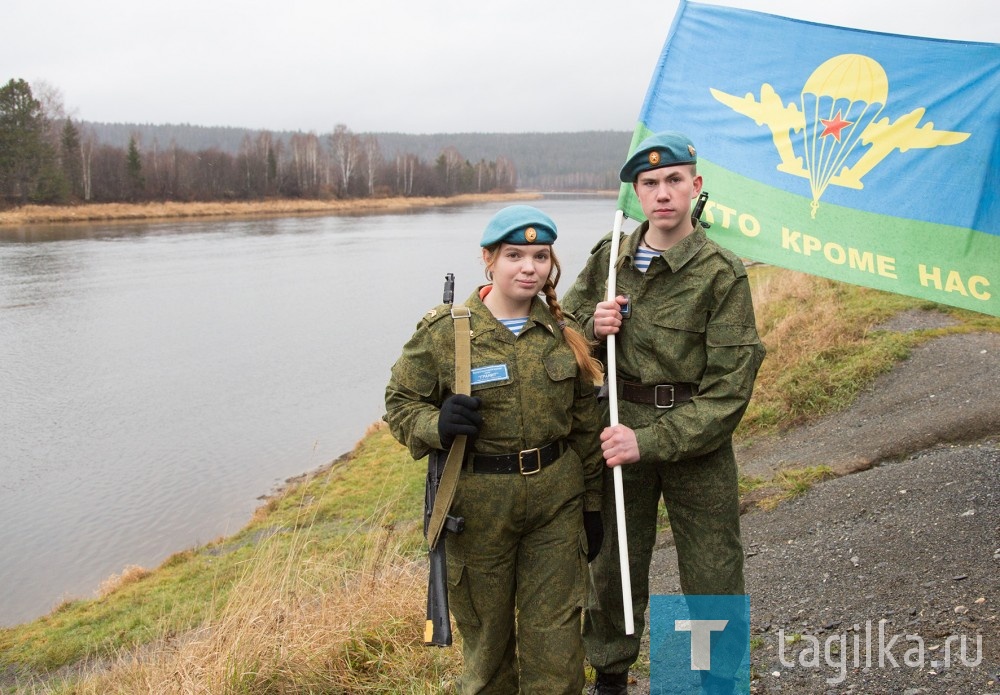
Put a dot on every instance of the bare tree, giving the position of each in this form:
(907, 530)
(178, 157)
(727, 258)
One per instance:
(214, 175)
(87, 142)
(305, 162)
(258, 164)
(406, 165)
(373, 160)
(506, 174)
(108, 167)
(449, 164)
(346, 150)
(53, 110)
(253, 163)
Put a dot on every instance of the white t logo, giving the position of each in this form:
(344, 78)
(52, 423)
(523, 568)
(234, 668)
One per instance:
(701, 640)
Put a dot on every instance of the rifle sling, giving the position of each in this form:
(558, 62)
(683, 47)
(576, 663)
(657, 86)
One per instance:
(453, 464)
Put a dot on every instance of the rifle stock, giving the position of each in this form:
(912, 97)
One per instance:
(437, 629)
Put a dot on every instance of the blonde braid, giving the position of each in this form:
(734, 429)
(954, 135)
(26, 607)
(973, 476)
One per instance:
(579, 344)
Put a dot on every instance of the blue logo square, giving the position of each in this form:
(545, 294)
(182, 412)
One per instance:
(699, 645)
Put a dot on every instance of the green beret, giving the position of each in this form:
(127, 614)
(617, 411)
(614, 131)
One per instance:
(519, 224)
(665, 149)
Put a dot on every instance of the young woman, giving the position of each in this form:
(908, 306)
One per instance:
(530, 485)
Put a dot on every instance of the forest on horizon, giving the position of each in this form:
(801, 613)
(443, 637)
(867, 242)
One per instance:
(46, 157)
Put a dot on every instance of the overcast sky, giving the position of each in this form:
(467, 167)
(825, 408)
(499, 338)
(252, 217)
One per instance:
(388, 65)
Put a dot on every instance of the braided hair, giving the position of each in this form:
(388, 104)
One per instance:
(577, 342)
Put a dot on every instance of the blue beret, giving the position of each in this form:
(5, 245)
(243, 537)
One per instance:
(665, 149)
(519, 224)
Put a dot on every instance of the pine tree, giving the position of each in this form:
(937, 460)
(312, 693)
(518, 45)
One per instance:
(134, 179)
(72, 159)
(27, 164)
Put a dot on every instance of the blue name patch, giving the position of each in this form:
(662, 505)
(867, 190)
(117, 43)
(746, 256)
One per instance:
(486, 375)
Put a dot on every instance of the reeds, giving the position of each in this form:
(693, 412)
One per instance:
(102, 212)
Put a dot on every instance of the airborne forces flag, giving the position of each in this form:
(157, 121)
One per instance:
(865, 157)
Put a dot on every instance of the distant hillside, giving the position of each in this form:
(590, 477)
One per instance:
(586, 160)
(548, 161)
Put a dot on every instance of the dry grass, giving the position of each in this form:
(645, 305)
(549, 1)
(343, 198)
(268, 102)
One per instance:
(296, 623)
(798, 331)
(130, 575)
(820, 348)
(48, 214)
(794, 482)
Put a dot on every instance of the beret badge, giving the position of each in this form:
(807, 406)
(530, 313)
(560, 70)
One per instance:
(530, 235)
(654, 158)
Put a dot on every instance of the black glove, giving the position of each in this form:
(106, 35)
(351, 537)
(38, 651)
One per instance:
(458, 416)
(593, 526)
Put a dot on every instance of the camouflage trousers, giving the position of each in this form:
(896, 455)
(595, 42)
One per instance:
(702, 500)
(517, 580)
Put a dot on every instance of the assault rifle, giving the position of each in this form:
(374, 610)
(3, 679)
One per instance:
(437, 630)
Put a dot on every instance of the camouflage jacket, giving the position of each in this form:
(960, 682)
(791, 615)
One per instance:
(532, 394)
(692, 322)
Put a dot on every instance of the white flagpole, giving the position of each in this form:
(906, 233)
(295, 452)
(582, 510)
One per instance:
(612, 378)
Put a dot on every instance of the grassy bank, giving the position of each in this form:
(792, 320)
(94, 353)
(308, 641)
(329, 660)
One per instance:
(324, 590)
(321, 592)
(105, 212)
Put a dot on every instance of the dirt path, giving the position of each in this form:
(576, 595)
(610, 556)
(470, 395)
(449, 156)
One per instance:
(947, 392)
(911, 538)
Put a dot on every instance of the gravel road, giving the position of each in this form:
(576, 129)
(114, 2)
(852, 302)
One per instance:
(871, 582)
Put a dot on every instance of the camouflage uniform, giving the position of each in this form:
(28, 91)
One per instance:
(518, 573)
(692, 322)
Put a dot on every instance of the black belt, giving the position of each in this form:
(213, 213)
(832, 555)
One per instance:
(527, 462)
(660, 395)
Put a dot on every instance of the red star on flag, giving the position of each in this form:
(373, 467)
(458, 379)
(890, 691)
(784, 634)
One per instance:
(834, 126)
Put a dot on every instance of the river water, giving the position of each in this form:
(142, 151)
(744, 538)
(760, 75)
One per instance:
(157, 379)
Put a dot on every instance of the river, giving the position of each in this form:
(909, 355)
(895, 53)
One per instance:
(157, 379)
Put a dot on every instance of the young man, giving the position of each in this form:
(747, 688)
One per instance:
(687, 354)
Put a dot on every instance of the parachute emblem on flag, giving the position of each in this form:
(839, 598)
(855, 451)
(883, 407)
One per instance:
(842, 138)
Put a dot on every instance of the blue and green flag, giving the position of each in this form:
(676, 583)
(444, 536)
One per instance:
(860, 156)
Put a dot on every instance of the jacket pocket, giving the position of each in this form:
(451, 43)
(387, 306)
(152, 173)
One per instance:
(680, 320)
(560, 367)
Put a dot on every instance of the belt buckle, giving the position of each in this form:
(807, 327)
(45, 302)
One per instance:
(526, 454)
(656, 396)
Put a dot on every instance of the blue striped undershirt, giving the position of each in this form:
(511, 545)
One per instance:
(515, 325)
(643, 256)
